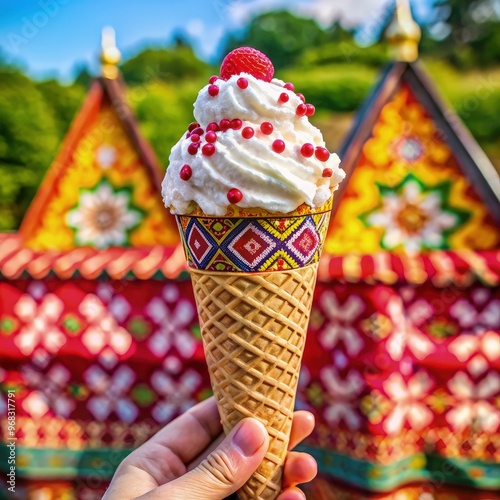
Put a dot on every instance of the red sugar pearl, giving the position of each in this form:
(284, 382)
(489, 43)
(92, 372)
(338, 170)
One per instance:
(289, 86)
(242, 83)
(225, 124)
(234, 196)
(327, 172)
(211, 136)
(208, 149)
(301, 109)
(192, 126)
(185, 173)
(248, 132)
(301, 97)
(279, 146)
(213, 126)
(266, 128)
(198, 130)
(213, 79)
(284, 97)
(310, 110)
(213, 90)
(188, 135)
(322, 154)
(195, 138)
(193, 148)
(307, 150)
(236, 124)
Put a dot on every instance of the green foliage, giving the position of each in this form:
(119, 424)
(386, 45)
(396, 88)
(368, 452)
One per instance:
(28, 142)
(163, 64)
(282, 36)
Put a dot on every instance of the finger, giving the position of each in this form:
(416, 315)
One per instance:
(188, 435)
(204, 454)
(299, 468)
(291, 494)
(302, 426)
(224, 471)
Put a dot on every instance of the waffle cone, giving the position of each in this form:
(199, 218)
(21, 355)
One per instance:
(254, 329)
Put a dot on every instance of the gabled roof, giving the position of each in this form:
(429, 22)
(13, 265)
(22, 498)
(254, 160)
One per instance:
(128, 177)
(457, 167)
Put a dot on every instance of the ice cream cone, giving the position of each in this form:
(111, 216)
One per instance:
(253, 278)
(254, 328)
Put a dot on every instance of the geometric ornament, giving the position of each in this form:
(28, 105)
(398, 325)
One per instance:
(415, 216)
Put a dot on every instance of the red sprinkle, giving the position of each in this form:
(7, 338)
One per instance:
(322, 154)
(208, 149)
(188, 135)
(193, 148)
(225, 124)
(289, 86)
(198, 130)
(301, 97)
(195, 138)
(213, 126)
(242, 83)
(248, 132)
(192, 126)
(186, 173)
(279, 146)
(236, 124)
(266, 128)
(213, 90)
(213, 79)
(307, 150)
(310, 110)
(301, 109)
(327, 172)
(211, 136)
(234, 196)
(284, 97)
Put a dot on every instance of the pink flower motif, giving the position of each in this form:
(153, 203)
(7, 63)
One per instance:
(40, 324)
(173, 316)
(408, 405)
(341, 318)
(51, 387)
(111, 393)
(479, 315)
(405, 335)
(176, 393)
(471, 409)
(343, 397)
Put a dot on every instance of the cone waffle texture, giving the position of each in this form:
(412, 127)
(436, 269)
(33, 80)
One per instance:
(254, 328)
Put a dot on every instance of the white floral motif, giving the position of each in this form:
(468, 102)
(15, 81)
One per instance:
(177, 394)
(103, 217)
(403, 334)
(408, 402)
(111, 393)
(412, 218)
(51, 387)
(173, 316)
(343, 397)
(472, 409)
(103, 336)
(341, 318)
(469, 316)
(480, 348)
(41, 324)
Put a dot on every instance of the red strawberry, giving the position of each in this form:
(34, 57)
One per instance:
(247, 60)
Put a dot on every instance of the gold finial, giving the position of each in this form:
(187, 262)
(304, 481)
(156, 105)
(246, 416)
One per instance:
(403, 33)
(110, 55)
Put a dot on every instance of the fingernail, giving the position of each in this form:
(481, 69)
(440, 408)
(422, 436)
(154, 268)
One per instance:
(248, 439)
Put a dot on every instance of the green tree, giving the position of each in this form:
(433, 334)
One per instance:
(163, 64)
(281, 35)
(28, 142)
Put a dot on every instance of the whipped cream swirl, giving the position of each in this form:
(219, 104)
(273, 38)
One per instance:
(275, 181)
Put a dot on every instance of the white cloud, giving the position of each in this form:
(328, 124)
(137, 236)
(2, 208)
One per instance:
(205, 38)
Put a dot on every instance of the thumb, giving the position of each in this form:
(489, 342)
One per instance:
(225, 470)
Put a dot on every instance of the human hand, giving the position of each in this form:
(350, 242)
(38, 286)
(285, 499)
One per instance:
(190, 459)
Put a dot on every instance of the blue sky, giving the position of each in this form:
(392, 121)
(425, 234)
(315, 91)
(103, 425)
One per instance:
(50, 36)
